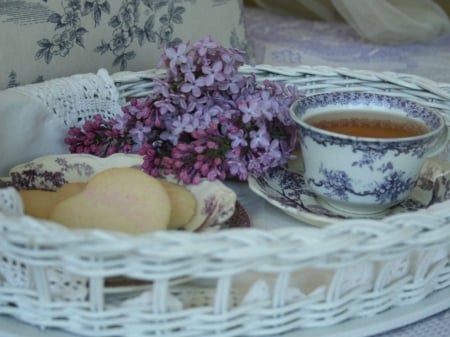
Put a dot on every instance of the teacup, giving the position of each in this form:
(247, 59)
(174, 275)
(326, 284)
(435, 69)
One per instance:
(363, 152)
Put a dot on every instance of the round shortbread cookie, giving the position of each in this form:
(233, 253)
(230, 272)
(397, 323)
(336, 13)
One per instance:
(40, 203)
(69, 189)
(184, 204)
(118, 199)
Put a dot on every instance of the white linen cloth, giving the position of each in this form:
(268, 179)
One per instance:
(34, 119)
(27, 130)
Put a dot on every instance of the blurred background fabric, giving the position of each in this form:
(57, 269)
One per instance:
(286, 33)
(380, 21)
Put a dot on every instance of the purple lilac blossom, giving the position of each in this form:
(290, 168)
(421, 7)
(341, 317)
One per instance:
(204, 120)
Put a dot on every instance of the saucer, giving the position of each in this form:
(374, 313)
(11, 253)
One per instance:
(287, 190)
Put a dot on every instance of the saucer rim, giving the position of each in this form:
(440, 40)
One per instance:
(309, 217)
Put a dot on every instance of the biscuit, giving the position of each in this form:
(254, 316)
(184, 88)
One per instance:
(183, 202)
(68, 190)
(39, 203)
(117, 199)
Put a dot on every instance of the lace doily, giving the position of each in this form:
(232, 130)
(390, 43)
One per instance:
(76, 98)
(10, 202)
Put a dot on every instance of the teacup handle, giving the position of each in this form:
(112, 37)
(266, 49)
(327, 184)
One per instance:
(441, 143)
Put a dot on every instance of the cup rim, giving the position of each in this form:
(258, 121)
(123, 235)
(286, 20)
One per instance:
(430, 133)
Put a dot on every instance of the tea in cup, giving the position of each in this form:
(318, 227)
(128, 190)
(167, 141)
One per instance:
(363, 152)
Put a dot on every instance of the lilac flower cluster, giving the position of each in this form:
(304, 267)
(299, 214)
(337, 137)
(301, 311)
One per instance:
(203, 120)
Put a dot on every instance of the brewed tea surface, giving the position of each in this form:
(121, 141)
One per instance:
(370, 125)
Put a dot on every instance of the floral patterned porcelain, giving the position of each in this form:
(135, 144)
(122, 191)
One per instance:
(286, 189)
(365, 174)
(218, 207)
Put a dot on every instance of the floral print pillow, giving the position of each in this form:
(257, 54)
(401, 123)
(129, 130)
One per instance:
(44, 39)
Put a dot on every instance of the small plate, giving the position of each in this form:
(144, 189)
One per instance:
(286, 189)
(217, 205)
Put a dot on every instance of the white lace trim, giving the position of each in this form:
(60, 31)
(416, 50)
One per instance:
(77, 98)
(10, 202)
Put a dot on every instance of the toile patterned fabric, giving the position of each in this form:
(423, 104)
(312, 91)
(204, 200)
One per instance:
(44, 39)
(291, 41)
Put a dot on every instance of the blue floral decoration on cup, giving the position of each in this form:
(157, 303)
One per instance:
(365, 174)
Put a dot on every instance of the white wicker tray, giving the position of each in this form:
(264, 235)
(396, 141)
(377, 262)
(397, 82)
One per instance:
(385, 323)
(242, 282)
